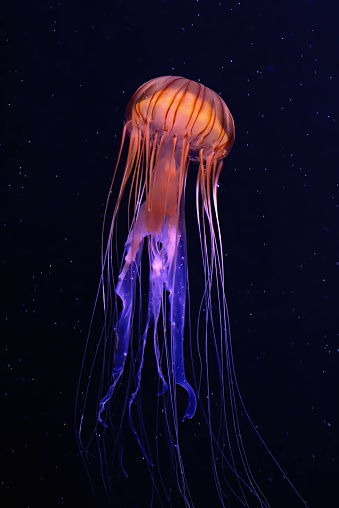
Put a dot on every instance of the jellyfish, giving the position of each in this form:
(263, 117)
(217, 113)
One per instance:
(170, 121)
(175, 126)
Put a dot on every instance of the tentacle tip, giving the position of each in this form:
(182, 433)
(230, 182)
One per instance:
(163, 389)
(189, 414)
(100, 420)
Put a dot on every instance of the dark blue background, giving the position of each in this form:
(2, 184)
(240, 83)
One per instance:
(68, 71)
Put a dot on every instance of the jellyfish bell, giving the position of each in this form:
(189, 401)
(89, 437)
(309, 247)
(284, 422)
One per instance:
(176, 106)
